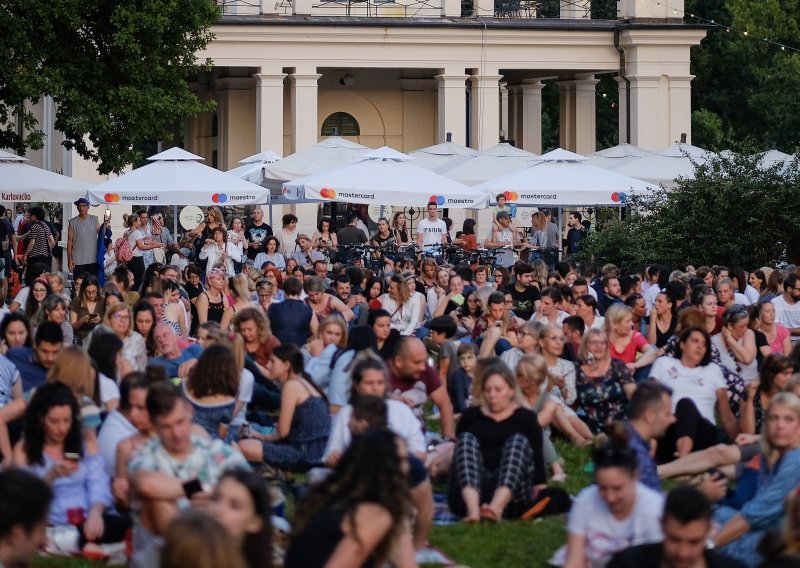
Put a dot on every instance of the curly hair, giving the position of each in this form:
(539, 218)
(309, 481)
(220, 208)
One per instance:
(369, 472)
(44, 399)
(256, 315)
(215, 373)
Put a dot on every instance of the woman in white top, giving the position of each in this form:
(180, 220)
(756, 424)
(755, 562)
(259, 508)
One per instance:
(586, 307)
(402, 305)
(138, 244)
(614, 513)
(548, 311)
(737, 343)
(237, 237)
(562, 385)
(287, 236)
(219, 251)
(119, 320)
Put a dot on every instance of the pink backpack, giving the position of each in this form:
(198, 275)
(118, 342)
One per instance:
(122, 249)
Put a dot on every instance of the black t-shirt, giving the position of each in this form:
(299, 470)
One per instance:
(651, 556)
(256, 234)
(492, 436)
(6, 230)
(350, 235)
(523, 302)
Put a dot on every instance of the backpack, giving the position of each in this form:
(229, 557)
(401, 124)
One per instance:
(122, 249)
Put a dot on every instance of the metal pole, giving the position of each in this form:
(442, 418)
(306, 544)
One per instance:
(175, 223)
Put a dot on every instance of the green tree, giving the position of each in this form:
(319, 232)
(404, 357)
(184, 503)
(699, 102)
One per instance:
(117, 71)
(732, 212)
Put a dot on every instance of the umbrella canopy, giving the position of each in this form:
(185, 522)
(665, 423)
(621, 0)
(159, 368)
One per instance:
(664, 166)
(613, 157)
(487, 164)
(433, 157)
(772, 157)
(329, 153)
(175, 177)
(385, 176)
(21, 182)
(252, 169)
(564, 178)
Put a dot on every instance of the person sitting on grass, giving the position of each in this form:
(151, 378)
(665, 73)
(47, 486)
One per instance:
(498, 455)
(615, 512)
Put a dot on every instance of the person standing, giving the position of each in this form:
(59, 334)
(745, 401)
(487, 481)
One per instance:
(8, 242)
(82, 240)
(351, 234)
(575, 233)
(256, 233)
(553, 240)
(431, 230)
(40, 239)
(787, 306)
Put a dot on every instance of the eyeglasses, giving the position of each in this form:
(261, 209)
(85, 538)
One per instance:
(121, 316)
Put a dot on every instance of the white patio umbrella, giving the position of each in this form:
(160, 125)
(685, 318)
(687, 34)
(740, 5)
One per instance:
(564, 178)
(433, 157)
(772, 157)
(664, 166)
(386, 176)
(175, 177)
(331, 152)
(487, 164)
(252, 168)
(21, 182)
(615, 156)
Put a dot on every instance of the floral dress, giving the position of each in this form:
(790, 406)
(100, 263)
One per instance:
(602, 400)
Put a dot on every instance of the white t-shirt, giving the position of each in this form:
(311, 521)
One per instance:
(748, 372)
(401, 421)
(108, 389)
(650, 296)
(246, 381)
(22, 297)
(788, 315)
(699, 384)
(432, 231)
(134, 236)
(606, 535)
(115, 428)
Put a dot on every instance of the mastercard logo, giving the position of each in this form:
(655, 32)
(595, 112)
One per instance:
(619, 197)
(219, 198)
(111, 197)
(437, 199)
(327, 193)
(510, 195)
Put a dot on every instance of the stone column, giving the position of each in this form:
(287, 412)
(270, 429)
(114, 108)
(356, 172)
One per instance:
(671, 11)
(305, 127)
(504, 122)
(647, 122)
(514, 130)
(236, 137)
(530, 137)
(566, 113)
(451, 107)
(585, 115)
(269, 111)
(575, 9)
(680, 99)
(485, 111)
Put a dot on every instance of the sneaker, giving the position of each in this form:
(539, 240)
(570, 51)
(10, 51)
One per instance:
(429, 555)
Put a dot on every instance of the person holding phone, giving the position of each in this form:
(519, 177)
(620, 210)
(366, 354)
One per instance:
(82, 241)
(86, 310)
(54, 449)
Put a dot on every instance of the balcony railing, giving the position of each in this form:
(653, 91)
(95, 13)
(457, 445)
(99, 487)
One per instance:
(516, 9)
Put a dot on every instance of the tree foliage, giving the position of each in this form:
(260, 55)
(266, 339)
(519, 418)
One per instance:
(117, 71)
(733, 212)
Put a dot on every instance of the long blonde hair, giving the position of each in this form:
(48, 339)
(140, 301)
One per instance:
(74, 368)
(532, 372)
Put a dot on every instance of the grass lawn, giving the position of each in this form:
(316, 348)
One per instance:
(517, 543)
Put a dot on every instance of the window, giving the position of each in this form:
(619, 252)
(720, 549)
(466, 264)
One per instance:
(340, 124)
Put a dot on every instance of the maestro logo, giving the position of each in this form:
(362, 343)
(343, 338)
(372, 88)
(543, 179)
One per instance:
(111, 197)
(510, 195)
(327, 193)
(219, 198)
(619, 197)
(437, 199)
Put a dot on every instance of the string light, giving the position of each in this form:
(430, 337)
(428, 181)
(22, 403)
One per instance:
(728, 29)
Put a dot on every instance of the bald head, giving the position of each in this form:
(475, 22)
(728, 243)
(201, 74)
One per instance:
(410, 358)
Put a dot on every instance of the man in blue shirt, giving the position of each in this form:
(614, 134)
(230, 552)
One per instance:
(176, 362)
(34, 362)
(650, 414)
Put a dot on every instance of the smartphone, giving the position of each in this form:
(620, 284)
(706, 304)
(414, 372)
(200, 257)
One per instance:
(191, 487)
(72, 456)
(458, 300)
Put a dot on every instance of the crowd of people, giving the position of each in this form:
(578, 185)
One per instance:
(147, 402)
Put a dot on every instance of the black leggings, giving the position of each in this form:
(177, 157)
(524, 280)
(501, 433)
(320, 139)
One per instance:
(136, 265)
(688, 422)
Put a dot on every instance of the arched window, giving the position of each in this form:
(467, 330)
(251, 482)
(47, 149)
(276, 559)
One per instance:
(341, 124)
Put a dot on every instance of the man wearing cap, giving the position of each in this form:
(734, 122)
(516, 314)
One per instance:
(82, 233)
(306, 256)
(503, 235)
